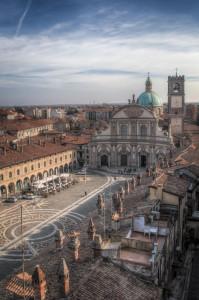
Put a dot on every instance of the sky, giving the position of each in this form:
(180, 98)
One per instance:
(95, 51)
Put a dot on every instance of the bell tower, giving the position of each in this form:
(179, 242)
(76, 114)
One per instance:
(176, 103)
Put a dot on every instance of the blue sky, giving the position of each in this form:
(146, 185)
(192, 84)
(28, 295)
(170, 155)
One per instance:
(78, 51)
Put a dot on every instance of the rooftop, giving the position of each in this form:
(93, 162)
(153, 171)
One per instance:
(31, 151)
(17, 125)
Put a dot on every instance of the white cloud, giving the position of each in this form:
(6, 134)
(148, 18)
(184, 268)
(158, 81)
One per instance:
(65, 61)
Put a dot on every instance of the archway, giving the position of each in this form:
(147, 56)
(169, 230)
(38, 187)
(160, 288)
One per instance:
(61, 169)
(66, 168)
(70, 166)
(50, 172)
(39, 176)
(3, 191)
(123, 160)
(19, 185)
(56, 171)
(33, 178)
(104, 160)
(74, 164)
(143, 161)
(45, 174)
(26, 183)
(11, 188)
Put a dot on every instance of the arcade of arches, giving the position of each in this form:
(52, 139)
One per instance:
(18, 177)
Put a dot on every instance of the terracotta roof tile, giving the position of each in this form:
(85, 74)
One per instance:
(15, 285)
(107, 281)
(16, 125)
(32, 151)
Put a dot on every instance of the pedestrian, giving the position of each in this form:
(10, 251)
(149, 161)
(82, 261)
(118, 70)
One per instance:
(85, 193)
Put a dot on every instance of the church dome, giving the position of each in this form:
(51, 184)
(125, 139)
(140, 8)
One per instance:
(149, 98)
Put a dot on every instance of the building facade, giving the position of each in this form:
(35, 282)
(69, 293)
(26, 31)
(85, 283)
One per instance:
(20, 167)
(132, 139)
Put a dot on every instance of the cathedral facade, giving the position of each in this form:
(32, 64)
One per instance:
(133, 138)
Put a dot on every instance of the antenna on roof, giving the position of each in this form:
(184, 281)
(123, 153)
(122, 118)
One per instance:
(176, 72)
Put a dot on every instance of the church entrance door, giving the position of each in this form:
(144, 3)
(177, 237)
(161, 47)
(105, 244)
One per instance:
(143, 161)
(123, 160)
(104, 160)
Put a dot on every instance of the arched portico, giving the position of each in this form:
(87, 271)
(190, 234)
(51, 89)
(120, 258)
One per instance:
(33, 178)
(11, 188)
(66, 168)
(39, 176)
(4, 192)
(26, 183)
(50, 172)
(19, 186)
(45, 174)
(56, 171)
(61, 169)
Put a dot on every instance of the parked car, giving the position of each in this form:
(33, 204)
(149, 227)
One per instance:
(82, 172)
(29, 196)
(11, 199)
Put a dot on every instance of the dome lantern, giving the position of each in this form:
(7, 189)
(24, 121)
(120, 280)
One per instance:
(148, 84)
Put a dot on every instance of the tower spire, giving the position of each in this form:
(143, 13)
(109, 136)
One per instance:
(148, 83)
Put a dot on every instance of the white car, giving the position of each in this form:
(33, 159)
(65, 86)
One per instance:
(29, 196)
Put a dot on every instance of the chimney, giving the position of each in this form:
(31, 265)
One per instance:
(74, 244)
(97, 245)
(59, 240)
(39, 283)
(91, 230)
(29, 140)
(64, 280)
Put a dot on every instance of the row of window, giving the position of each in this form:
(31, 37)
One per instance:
(38, 165)
(35, 130)
(124, 130)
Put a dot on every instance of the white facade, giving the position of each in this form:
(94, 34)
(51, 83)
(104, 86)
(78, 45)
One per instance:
(133, 139)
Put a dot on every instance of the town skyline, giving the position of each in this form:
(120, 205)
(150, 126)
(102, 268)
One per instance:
(73, 52)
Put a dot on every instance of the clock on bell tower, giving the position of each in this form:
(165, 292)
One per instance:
(176, 103)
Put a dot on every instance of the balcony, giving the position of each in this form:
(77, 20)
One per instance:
(132, 138)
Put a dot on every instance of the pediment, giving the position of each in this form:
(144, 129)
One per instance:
(133, 112)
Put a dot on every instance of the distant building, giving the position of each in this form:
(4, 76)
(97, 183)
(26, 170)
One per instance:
(26, 128)
(98, 113)
(192, 112)
(6, 114)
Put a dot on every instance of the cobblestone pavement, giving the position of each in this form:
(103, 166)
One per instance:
(42, 218)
